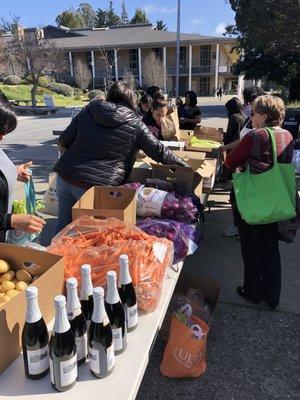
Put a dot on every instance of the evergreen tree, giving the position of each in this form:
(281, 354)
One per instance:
(140, 17)
(161, 26)
(112, 17)
(124, 15)
(101, 19)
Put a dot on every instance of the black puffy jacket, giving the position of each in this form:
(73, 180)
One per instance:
(101, 143)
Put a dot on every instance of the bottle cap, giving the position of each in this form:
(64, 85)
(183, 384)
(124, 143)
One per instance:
(71, 283)
(60, 301)
(98, 292)
(111, 275)
(85, 269)
(31, 292)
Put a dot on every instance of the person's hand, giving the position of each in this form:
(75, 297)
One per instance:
(23, 174)
(27, 223)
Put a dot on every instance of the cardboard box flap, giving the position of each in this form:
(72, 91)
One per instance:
(194, 159)
(116, 198)
(207, 169)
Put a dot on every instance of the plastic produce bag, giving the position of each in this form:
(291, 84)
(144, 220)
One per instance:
(186, 238)
(153, 202)
(101, 242)
(212, 144)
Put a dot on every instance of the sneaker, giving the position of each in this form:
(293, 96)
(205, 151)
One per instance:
(231, 231)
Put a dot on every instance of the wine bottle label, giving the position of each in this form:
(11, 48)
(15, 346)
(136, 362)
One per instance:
(81, 347)
(51, 371)
(132, 316)
(94, 358)
(118, 340)
(38, 360)
(68, 371)
(110, 352)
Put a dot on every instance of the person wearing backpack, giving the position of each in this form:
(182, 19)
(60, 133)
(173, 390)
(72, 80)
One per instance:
(259, 241)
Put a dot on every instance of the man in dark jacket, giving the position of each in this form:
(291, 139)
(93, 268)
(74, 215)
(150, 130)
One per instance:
(100, 146)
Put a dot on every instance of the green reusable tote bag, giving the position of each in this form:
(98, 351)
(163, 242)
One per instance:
(267, 197)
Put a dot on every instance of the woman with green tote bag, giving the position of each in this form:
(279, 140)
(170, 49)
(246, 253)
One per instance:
(258, 225)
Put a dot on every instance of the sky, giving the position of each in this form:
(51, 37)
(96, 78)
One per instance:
(205, 17)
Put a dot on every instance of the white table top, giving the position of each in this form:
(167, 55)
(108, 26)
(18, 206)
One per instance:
(122, 384)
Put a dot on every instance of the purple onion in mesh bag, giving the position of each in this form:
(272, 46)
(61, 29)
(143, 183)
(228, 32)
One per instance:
(184, 237)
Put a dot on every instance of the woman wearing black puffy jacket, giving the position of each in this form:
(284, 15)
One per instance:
(99, 148)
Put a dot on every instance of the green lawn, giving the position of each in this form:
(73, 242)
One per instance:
(22, 92)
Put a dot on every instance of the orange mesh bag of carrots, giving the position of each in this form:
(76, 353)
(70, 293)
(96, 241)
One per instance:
(101, 242)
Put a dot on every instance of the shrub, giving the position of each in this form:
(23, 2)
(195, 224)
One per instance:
(42, 90)
(61, 88)
(12, 80)
(68, 80)
(96, 93)
(44, 81)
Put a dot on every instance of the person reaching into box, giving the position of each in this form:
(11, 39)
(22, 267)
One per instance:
(99, 148)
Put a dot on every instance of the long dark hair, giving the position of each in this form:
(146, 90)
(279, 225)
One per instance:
(8, 118)
(234, 106)
(193, 98)
(159, 102)
(122, 93)
(250, 93)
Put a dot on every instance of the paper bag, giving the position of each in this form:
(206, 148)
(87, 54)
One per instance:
(50, 198)
(170, 126)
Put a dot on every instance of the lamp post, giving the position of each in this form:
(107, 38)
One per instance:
(177, 49)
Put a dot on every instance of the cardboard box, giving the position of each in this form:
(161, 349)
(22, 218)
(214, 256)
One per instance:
(185, 180)
(12, 313)
(208, 133)
(100, 202)
(209, 170)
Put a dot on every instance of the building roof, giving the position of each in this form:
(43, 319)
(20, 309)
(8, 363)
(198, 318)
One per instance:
(132, 37)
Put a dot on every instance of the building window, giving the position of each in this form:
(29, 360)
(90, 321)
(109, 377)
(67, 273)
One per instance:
(158, 52)
(205, 55)
(204, 85)
(182, 57)
(88, 58)
(133, 59)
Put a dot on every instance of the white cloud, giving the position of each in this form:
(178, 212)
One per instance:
(197, 21)
(221, 28)
(151, 8)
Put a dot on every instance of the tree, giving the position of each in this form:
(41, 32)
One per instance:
(267, 38)
(37, 57)
(161, 26)
(83, 75)
(140, 17)
(70, 19)
(112, 17)
(124, 14)
(153, 71)
(88, 14)
(10, 25)
(101, 19)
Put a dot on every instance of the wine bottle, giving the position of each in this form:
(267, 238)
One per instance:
(115, 313)
(77, 320)
(86, 294)
(35, 338)
(63, 357)
(127, 294)
(101, 346)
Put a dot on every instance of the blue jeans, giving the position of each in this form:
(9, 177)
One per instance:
(67, 195)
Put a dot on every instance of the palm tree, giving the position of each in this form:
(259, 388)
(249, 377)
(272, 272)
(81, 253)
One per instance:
(161, 26)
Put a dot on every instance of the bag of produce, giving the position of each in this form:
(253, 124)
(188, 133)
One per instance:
(185, 352)
(186, 238)
(101, 242)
